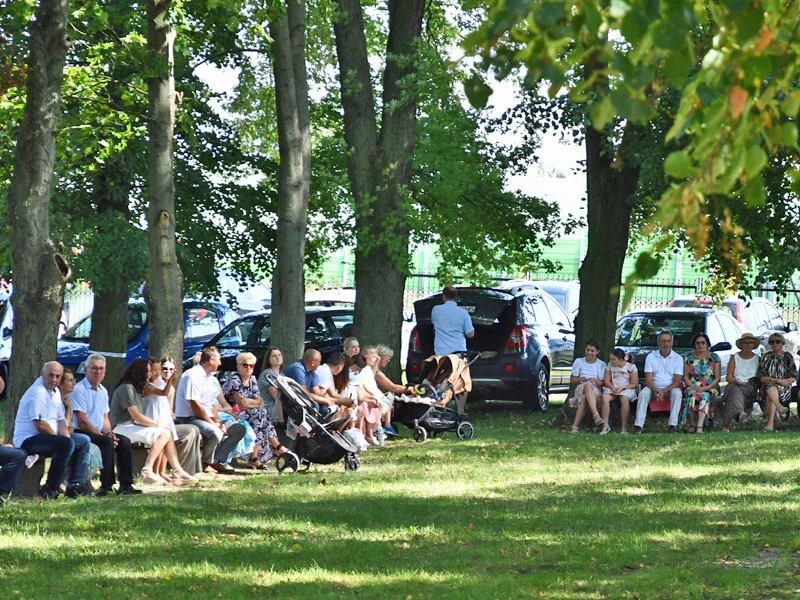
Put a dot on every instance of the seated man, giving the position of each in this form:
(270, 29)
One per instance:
(12, 461)
(194, 405)
(663, 372)
(40, 429)
(304, 372)
(90, 406)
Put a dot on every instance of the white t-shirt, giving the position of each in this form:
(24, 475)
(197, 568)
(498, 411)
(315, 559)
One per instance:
(37, 404)
(596, 370)
(197, 385)
(324, 377)
(745, 369)
(663, 368)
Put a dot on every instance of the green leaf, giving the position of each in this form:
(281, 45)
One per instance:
(748, 21)
(754, 161)
(754, 194)
(785, 135)
(548, 14)
(477, 91)
(601, 113)
(678, 165)
(791, 104)
(647, 266)
(678, 65)
(593, 17)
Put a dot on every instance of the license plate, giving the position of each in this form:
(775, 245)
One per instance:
(468, 308)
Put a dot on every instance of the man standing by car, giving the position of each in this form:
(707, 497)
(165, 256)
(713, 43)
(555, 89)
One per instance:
(90, 405)
(663, 371)
(452, 326)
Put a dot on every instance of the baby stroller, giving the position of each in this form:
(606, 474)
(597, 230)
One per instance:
(443, 377)
(313, 439)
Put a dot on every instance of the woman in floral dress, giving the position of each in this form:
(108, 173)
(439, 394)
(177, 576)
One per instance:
(701, 375)
(241, 389)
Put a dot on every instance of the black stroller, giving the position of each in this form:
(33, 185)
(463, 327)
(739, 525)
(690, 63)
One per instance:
(442, 377)
(313, 439)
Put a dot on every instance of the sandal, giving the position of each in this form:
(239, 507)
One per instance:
(254, 463)
(278, 450)
(698, 430)
(598, 420)
(151, 478)
(575, 429)
(181, 475)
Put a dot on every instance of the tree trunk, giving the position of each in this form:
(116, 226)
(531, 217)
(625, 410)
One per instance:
(40, 274)
(294, 143)
(164, 292)
(379, 166)
(609, 202)
(109, 334)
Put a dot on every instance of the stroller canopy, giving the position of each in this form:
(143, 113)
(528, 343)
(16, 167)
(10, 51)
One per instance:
(449, 368)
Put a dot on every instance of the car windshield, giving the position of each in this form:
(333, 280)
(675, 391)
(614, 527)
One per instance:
(642, 330)
(694, 303)
(137, 319)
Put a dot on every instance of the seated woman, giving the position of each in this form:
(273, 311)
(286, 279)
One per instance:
(385, 355)
(587, 374)
(128, 418)
(621, 381)
(272, 363)
(160, 398)
(241, 390)
(369, 399)
(701, 374)
(742, 378)
(777, 373)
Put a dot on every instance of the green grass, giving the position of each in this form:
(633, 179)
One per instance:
(522, 510)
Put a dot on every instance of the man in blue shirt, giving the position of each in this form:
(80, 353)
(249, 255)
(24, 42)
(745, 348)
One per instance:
(452, 326)
(303, 372)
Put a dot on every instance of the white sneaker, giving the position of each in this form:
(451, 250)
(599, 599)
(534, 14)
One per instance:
(605, 430)
(31, 460)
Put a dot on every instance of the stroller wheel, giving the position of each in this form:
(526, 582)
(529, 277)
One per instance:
(352, 462)
(305, 465)
(465, 431)
(420, 434)
(287, 461)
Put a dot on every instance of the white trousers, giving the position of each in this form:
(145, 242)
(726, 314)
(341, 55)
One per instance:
(675, 400)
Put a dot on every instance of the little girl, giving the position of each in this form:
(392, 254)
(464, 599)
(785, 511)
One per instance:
(587, 374)
(620, 381)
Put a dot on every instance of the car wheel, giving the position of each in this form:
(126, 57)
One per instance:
(538, 398)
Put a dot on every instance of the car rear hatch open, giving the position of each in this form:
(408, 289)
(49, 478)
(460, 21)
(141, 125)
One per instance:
(493, 315)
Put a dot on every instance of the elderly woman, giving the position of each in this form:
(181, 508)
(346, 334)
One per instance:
(128, 418)
(742, 378)
(777, 373)
(701, 375)
(241, 389)
(272, 363)
(385, 355)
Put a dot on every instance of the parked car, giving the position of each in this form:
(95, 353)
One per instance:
(755, 314)
(525, 339)
(202, 320)
(566, 293)
(326, 330)
(637, 332)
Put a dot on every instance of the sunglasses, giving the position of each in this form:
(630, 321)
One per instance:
(249, 365)
(773, 342)
(167, 368)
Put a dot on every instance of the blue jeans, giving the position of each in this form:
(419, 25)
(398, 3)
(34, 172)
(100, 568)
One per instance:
(63, 451)
(12, 461)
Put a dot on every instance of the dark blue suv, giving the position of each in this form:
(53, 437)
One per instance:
(202, 320)
(525, 339)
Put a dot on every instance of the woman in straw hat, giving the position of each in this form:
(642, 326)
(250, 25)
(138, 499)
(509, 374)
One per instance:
(742, 378)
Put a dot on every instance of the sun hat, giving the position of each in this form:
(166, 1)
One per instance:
(747, 337)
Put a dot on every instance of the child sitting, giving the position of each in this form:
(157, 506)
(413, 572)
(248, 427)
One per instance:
(620, 381)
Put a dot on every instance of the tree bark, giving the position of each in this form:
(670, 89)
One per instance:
(379, 165)
(40, 273)
(294, 174)
(610, 189)
(164, 293)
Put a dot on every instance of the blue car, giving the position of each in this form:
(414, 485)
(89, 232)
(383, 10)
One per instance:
(202, 320)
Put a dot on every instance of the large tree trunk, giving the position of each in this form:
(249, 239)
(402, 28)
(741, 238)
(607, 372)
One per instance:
(294, 142)
(40, 274)
(610, 191)
(109, 334)
(379, 166)
(164, 292)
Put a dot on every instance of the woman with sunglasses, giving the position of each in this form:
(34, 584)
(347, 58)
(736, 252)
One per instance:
(701, 375)
(777, 373)
(241, 390)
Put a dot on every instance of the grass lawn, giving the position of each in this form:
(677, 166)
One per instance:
(522, 510)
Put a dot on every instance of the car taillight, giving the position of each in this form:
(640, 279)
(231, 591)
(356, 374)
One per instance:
(414, 345)
(518, 339)
(415, 368)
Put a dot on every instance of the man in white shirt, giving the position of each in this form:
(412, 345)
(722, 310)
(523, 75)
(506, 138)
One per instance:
(663, 372)
(40, 429)
(194, 405)
(90, 405)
